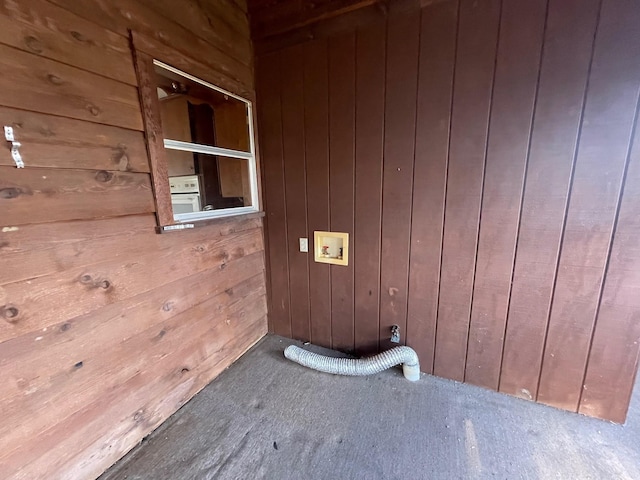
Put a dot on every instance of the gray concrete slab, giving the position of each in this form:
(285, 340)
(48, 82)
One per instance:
(267, 418)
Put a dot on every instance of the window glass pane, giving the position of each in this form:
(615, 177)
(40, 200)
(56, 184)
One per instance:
(192, 112)
(202, 182)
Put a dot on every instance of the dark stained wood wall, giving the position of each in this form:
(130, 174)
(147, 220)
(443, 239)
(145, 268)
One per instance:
(107, 328)
(481, 156)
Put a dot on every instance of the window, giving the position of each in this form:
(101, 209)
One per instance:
(201, 145)
(209, 146)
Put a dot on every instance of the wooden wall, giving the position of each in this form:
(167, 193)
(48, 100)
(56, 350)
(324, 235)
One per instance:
(481, 155)
(107, 328)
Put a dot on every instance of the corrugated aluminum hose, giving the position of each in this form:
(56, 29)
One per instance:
(359, 366)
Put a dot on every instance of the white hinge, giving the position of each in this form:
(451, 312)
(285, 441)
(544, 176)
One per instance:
(15, 146)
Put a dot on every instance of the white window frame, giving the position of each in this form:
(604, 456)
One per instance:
(224, 152)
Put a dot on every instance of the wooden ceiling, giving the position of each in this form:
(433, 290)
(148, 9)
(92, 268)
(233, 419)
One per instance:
(274, 17)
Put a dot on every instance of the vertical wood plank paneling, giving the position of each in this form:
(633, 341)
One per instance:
(270, 117)
(606, 134)
(563, 77)
(435, 88)
(475, 62)
(316, 127)
(341, 179)
(447, 142)
(516, 80)
(292, 100)
(613, 360)
(403, 38)
(370, 84)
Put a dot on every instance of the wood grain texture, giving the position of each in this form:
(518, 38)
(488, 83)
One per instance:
(342, 81)
(158, 158)
(614, 354)
(36, 250)
(269, 18)
(48, 31)
(231, 12)
(187, 63)
(507, 154)
(112, 324)
(186, 349)
(515, 88)
(34, 83)
(56, 142)
(120, 16)
(399, 142)
(435, 89)
(563, 78)
(473, 87)
(210, 28)
(38, 195)
(53, 387)
(292, 99)
(332, 26)
(609, 117)
(30, 305)
(316, 134)
(114, 327)
(369, 104)
(270, 119)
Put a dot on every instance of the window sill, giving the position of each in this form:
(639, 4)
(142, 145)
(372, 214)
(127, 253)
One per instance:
(205, 222)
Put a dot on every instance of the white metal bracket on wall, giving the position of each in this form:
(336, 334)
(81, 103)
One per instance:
(15, 146)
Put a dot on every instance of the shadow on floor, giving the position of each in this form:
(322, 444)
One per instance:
(267, 418)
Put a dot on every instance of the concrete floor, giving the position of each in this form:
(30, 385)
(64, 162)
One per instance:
(267, 418)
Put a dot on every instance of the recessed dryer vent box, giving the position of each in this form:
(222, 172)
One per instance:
(331, 247)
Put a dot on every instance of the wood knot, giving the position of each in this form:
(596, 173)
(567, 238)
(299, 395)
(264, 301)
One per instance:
(78, 36)
(9, 313)
(103, 176)
(46, 131)
(121, 158)
(91, 282)
(54, 79)
(93, 110)
(64, 327)
(10, 192)
(33, 44)
(167, 306)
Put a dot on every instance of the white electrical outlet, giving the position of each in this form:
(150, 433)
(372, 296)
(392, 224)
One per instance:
(304, 244)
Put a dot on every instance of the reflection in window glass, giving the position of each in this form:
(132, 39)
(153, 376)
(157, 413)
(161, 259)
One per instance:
(208, 182)
(194, 113)
(207, 140)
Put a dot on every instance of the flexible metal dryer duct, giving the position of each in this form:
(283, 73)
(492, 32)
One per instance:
(359, 366)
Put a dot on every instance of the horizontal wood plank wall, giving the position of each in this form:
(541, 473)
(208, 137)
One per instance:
(491, 217)
(107, 328)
